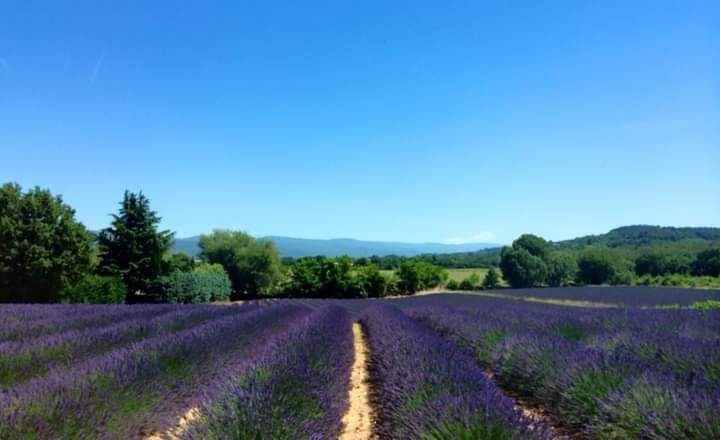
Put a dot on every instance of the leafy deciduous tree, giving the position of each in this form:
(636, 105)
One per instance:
(43, 249)
(252, 265)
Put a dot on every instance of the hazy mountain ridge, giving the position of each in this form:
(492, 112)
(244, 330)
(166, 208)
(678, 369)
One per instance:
(302, 247)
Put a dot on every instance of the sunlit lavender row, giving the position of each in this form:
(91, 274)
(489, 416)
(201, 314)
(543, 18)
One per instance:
(607, 373)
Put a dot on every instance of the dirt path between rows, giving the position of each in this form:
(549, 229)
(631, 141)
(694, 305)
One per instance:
(358, 420)
(536, 414)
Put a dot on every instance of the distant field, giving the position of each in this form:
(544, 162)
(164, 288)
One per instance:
(621, 295)
(458, 274)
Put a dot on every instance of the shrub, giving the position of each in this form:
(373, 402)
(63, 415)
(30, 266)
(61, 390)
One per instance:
(96, 289)
(193, 287)
(710, 304)
(491, 280)
(452, 285)
(470, 283)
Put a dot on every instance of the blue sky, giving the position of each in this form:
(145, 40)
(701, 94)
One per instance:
(388, 120)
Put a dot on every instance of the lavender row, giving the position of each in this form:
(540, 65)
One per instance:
(683, 343)
(22, 360)
(424, 387)
(296, 389)
(81, 401)
(613, 390)
(64, 317)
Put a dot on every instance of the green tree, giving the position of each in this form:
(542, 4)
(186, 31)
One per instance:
(562, 269)
(178, 261)
(491, 280)
(205, 267)
(96, 289)
(707, 263)
(415, 275)
(252, 265)
(536, 246)
(132, 247)
(600, 266)
(521, 268)
(371, 282)
(192, 287)
(43, 249)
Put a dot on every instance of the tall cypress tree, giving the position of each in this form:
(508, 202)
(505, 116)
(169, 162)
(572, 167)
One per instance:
(132, 247)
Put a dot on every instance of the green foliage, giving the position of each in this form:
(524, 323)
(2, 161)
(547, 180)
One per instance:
(710, 304)
(372, 283)
(192, 287)
(562, 269)
(320, 277)
(522, 269)
(178, 261)
(132, 247)
(210, 267)
(452, 285)
(96, 289)
(481, 427)
(535, 245)
(458, 260)
(643, 236)
(470, 283)
(656, 264)
(598, 266)
(419, 275)
(491, 280)
(581, 401)
(43, 249)
(252, 265)
(707, 263)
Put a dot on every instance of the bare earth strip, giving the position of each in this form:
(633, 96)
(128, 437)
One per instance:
(358, 421)
(537, 414)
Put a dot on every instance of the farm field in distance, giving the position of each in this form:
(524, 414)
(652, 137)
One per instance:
(438, 366)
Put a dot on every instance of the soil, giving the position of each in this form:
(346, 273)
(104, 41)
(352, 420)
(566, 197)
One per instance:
(358, 421)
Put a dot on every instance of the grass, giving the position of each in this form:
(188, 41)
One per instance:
(460, 274)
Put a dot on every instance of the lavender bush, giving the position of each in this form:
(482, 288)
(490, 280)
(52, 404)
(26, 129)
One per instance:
(296, 389)
(105, 391)
(611, 373)
(424, 387)
(21, 360)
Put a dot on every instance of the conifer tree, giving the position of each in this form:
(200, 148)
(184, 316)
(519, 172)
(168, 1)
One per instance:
(132, 247)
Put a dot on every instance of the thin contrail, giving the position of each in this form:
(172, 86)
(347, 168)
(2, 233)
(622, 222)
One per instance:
(98, 66)
(4, 67)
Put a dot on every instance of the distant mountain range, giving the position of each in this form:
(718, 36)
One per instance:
(304, 247)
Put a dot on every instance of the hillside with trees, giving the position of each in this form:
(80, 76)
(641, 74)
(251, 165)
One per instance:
(46, 255)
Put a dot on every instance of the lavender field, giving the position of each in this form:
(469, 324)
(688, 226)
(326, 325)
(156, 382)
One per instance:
(437, 367)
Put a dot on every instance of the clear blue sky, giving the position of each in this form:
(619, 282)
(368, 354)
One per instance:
(388, 120)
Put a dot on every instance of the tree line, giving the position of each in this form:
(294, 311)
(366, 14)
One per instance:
(46, 255)
(532, 262)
